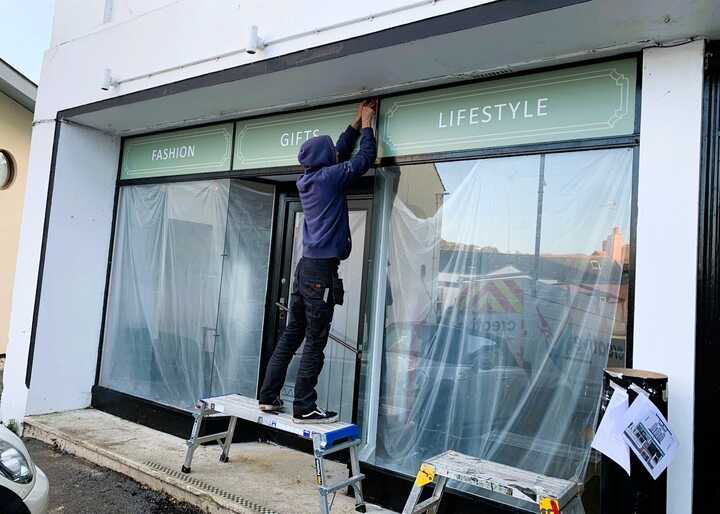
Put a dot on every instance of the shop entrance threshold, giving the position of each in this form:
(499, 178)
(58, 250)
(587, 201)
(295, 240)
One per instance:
(259, 477)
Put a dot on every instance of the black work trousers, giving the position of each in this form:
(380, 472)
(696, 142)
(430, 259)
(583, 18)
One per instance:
(311, 310)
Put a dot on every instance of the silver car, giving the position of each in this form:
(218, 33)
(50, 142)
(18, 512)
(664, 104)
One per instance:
(23, 485)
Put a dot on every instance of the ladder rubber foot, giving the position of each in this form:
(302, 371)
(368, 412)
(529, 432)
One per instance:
(361, 508)
(185, 469)
(224, 458)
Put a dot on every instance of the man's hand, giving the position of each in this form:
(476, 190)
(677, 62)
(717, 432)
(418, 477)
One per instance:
(358, 116)
(367, 114)
(358, 121)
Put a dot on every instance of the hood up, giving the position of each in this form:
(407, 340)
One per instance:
(317, 152)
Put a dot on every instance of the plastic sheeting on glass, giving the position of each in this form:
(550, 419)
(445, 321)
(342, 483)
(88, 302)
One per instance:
(161, 337)
(243, 289)
(502, 284)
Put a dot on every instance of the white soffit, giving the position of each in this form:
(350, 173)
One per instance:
(579, 32)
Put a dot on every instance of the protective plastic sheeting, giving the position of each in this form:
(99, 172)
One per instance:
(161, 334)
(506, 285)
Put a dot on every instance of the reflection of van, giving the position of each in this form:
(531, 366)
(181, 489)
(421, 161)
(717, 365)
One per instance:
(491, 306)
(451, 386)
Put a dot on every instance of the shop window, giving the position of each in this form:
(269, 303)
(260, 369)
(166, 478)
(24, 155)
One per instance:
(506, 294)
(187, 290)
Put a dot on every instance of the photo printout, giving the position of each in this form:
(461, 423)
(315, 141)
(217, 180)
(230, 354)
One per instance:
(649, 436)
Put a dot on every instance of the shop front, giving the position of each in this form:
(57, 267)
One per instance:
(490, 282)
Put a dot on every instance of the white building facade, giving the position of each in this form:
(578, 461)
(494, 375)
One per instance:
(515, 138)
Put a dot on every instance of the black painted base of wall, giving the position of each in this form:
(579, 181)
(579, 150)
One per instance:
(166, 419)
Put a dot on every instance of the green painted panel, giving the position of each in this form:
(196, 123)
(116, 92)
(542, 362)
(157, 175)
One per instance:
(275, 140)
(596, 100)
(198, 150)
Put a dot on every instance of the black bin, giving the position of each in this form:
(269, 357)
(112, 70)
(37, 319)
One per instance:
(638, 493)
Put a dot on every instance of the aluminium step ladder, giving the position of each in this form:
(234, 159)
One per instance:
(327, 438)
(531, 492)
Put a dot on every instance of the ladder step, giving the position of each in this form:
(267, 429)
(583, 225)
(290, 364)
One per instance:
(326, 489)
(423, 506)
(212, 437)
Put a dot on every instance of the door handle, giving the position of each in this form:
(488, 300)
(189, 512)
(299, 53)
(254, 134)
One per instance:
(208, 342)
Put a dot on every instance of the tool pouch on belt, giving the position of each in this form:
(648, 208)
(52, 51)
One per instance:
(337, 290)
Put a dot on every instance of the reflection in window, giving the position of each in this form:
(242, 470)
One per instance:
(506, 292)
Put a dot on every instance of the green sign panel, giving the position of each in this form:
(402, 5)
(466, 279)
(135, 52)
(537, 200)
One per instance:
(199, 150)
(596, 100)
(276, 140)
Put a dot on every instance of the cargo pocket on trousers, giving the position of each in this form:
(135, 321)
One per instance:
(314, 289)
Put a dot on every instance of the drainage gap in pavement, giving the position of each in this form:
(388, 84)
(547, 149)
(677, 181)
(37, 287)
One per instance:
(210, 488)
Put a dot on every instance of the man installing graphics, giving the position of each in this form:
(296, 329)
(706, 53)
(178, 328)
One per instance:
(326, 241)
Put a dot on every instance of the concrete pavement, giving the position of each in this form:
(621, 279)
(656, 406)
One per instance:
(260, 478)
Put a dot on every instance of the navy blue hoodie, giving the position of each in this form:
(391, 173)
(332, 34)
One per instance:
(328, 169)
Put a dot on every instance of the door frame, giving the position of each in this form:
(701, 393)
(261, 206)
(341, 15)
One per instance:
(361, 190)
(705, 493)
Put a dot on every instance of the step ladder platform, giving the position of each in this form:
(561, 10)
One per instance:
(327, 438)
(500, 478)
(248, 409)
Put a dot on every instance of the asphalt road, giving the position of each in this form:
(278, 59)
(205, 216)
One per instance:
(79, 487)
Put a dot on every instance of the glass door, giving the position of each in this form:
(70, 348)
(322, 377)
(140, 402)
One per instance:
(337, 382)
(243, 290)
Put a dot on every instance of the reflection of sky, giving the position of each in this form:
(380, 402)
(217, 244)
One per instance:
(493, 202)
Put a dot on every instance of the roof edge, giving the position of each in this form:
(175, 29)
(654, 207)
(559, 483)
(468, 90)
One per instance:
(17, 86)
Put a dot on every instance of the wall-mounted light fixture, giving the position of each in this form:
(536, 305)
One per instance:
(254, 43)
(108, 82)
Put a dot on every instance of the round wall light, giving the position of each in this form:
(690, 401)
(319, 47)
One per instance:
(7, 169)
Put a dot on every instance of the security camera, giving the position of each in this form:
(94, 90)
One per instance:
(254, 42)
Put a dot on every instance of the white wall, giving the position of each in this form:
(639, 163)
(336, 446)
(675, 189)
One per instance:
(69, 318)
(667, 231)
(137, 41)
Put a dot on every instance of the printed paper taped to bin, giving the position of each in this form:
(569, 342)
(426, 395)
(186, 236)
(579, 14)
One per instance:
(649, 436)
(609, 436)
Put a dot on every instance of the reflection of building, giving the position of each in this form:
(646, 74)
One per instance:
(614, 246)
(592, 287)
(423, 193)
